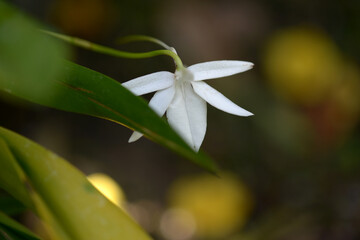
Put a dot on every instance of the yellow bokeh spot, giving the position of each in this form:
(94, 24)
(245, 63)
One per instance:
(108, 187)
(218, 205)
(303, 65)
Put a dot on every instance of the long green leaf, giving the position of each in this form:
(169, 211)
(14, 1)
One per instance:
(13, 230)
(31, 68)
(11, 176)
(8, 234)
(64, 198)
(27, 57)
(10, 206)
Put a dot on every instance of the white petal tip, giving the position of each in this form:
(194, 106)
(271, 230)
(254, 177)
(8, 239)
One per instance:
(134, 137)
(196, 149)
(246, 114)
(247, 66)
(242, 113)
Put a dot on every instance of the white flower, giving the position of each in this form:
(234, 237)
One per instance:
(183, 96)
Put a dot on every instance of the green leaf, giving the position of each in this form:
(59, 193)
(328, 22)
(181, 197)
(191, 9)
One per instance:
(10, 229)
(7, 234)
(10, 205)
(26, 56)
(64, 198)
(11, 176)
(30, 68)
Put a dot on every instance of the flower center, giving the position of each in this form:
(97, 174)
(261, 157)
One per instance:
(184, 75)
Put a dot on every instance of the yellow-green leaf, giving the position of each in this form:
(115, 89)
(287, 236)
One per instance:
(65, 199)
(10, 229)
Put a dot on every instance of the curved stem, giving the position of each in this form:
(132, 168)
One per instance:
(141, 38)
(113, 52)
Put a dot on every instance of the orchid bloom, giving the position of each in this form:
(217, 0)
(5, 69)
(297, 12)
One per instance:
(183, 96)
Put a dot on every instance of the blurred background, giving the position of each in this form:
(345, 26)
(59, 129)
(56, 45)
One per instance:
(289, 172)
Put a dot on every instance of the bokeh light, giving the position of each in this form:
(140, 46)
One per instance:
(107, 186)
(219, 205)
(303, 65)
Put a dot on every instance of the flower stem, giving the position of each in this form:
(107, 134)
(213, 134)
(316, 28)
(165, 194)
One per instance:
(140, 38)
(113, 52)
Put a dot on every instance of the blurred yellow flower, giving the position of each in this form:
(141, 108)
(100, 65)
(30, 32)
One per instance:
(303, 65)
(107, 186)
(218, 205)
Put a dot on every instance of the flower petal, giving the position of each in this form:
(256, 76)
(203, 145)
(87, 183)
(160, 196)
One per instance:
(159, 103)
(217, 69)
(150, 83)
(135, 136)
(187, 115)
(218, 100)
(161, 100)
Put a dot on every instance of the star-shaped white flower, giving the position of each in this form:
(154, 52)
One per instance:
(183, 96)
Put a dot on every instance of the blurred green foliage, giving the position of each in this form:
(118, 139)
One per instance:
(11, 230)
(62, 196)
(28, 59)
